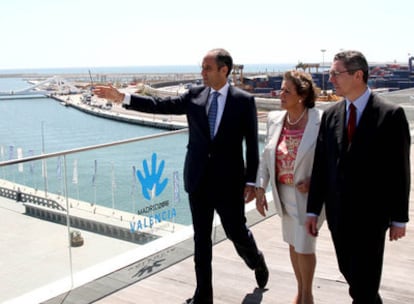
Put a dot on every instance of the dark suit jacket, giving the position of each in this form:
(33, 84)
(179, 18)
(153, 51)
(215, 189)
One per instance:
(366, 184)
(223, 156)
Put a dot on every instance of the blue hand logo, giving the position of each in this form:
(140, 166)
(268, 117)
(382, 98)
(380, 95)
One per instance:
(151, 181)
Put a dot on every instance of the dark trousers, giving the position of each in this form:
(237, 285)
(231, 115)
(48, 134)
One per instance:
(360, 258)
(231, 212)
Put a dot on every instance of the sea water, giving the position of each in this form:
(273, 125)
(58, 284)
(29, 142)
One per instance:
(42, 125)
(106, 177)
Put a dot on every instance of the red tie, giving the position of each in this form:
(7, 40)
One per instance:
(351, 121)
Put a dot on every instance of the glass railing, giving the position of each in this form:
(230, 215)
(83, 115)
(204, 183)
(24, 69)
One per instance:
(73, 216)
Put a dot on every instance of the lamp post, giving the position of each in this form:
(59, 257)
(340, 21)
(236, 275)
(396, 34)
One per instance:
(323, 72)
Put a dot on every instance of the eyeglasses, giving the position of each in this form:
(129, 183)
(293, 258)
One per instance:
(336, 73)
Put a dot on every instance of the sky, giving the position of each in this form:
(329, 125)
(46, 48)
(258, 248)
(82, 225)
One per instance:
(103, 33)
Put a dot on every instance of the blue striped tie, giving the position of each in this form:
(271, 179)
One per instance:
(212, 114)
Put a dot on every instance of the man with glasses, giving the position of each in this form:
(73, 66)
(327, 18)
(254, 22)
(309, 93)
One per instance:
(361, 174)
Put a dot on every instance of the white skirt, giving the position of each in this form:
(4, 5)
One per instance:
(294, 233)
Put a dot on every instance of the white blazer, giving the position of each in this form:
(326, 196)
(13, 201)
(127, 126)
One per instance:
(303, 163)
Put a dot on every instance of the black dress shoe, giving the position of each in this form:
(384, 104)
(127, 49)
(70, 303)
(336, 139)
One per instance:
(194, 301)
(262, 273)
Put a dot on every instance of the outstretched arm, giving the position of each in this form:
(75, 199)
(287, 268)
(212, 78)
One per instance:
(109, 93)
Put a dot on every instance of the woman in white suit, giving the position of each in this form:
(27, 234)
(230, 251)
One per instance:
(286, 163)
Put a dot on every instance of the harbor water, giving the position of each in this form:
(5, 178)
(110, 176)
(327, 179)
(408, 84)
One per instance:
(43, 125)
(104, 177)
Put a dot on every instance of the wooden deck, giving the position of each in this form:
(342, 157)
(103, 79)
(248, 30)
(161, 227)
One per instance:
(235, 283)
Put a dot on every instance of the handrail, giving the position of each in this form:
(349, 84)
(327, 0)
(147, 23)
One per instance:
(87, 148)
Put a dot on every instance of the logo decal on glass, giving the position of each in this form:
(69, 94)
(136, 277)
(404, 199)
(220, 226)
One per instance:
(151, 183)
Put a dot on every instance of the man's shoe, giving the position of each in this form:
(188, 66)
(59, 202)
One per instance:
(193, 301)
(262, 273)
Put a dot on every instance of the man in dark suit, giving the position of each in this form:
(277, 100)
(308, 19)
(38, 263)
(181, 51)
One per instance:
(364, 179)
(216, 175)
